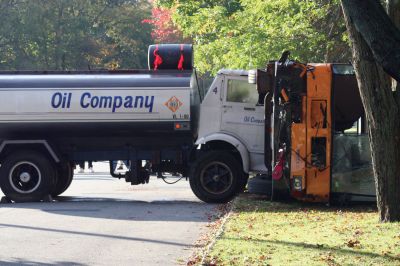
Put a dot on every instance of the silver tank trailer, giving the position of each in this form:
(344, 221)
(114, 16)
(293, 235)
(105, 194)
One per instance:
(102, 110)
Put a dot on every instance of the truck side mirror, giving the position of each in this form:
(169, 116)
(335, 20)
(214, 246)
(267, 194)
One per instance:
(261, 78)
(252, 76)
(264, 81)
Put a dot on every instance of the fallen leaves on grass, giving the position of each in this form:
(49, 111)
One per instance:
(353, 243)
(193, 260)
(358, 232)
(264, 232)
(213, 262)
(329, 258)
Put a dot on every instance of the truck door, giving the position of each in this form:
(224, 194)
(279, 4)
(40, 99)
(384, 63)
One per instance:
(241, 116)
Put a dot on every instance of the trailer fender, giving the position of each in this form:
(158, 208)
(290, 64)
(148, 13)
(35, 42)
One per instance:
(30, 142)
(244, 153)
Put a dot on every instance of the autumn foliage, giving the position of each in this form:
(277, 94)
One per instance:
(164, 30)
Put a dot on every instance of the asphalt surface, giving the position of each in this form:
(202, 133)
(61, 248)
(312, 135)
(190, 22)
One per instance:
(100, 220)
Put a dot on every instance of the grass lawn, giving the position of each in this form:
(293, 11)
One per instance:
(260, 232)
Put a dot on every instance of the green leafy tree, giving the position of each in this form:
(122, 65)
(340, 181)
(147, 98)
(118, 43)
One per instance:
(248, 33)
(73, 34)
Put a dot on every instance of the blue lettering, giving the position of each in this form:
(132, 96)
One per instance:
(137, 101)
(64, 101)
(69, 100)
(105, 101)
(111, 102)
(94, 102)
(128, 102)
(149, 104)
(86, 94)
(256, 120)
(56, 100)
(117, 103)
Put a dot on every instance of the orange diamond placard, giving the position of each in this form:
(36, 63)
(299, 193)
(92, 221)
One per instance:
(173, 104)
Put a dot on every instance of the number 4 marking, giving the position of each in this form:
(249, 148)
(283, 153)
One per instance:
(215, 90)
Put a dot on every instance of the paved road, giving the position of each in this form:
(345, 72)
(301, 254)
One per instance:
(105, 221)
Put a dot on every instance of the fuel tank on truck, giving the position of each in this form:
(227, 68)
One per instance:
(108, 108)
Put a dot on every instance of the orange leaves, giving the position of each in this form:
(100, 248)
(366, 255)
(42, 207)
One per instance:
(164, 30)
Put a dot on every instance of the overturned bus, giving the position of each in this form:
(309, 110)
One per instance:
(316, 148)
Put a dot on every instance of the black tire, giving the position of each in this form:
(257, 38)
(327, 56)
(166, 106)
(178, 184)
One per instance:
(216, 177)
(27, 176)
(64, 178)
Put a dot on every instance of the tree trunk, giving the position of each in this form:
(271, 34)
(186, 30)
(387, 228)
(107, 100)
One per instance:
(393, 9)
(371, 21)
(381, 107)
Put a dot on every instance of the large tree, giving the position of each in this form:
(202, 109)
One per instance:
(248, 33)
(73, 34)
(375, 43)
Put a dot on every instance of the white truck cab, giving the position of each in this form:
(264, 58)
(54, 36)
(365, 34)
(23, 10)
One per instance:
(230, 113)
(230, 138)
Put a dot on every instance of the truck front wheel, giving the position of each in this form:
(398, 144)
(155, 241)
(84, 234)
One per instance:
(216, 177)
(26, 176)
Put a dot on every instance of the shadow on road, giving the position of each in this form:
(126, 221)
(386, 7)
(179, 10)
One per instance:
(36, 228)
(122, 209)
(28, 263)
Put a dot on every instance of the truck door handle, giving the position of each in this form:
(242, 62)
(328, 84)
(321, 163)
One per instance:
(249, 108)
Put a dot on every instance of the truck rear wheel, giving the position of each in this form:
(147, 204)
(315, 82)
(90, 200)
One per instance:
(216, 177)
(26, 176)
(65, 174)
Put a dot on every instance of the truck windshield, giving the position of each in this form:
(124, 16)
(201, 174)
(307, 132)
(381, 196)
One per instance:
(241, 91)
(352, 165)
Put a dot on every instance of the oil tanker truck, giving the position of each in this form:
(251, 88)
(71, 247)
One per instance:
(49, 120)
